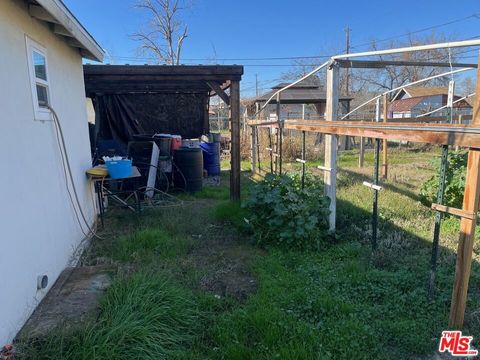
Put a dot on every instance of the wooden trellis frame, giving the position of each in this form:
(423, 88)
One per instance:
(440, 134)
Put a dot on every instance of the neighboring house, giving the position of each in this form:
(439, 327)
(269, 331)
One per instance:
(301, 101)
(413, 101)
(42, 45)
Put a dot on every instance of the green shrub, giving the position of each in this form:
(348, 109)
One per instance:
(282, 213)
(455, 181)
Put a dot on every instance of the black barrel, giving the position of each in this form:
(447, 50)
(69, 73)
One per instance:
(188, 169)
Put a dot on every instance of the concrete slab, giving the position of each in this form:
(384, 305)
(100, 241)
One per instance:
(72, 299)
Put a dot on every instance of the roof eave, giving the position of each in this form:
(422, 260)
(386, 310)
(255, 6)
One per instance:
(66, 24)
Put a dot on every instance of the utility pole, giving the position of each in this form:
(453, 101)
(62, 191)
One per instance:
(345, 140)
(256, 85)
(347, 50)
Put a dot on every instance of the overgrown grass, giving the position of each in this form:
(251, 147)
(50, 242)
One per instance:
(150, 241)
(143, 316)
(333, 305)
(343, 302)
(231, 212)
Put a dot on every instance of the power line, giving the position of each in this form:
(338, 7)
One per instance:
(473, 16)
(226, 59)
(347, 50)
(315, 64)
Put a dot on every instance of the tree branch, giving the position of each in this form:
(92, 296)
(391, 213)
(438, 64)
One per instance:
(164, 25)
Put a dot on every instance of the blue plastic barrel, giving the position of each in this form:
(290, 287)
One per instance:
(118, 169)
(211, 158)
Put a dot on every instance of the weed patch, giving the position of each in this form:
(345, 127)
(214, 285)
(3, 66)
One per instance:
(142, 316)
(149, 241)
(232, 212)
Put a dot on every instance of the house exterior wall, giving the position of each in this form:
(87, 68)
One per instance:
(39, 232)
(401, 114)
(295, 111)
(428, 103)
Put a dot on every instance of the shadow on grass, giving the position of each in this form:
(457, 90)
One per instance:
(342, 302)
(345, 301)
(404, 251)
(355, 176)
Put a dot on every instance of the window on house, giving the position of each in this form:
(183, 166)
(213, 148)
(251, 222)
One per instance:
(38, 70)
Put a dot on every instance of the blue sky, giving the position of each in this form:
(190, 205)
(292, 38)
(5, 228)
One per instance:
(246, 29)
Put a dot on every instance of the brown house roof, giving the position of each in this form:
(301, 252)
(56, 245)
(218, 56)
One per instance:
(414, 91)
(409, 103)
(427, 91)
(470, 101)
(298, 94)
(404, 104)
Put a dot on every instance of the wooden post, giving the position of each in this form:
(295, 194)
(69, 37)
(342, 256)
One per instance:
(459, 122)
(219, 125)
(235, 141)
(245, 118)
(361, 155)
(466, 240)
(304, 157)
(331, 111)
(467, 227)
(253, 148)
(254, 142)
(280, 135)
(376, 162)
(270, 144)
(258, 150)
(385, 141)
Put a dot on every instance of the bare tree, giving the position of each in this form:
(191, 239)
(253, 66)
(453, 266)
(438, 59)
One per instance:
(164, 36)
(467, 86)
(301, 67)
(394, 76)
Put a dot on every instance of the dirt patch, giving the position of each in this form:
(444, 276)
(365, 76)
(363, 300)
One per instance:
(227, 271)
(219, 262)
(72, 299)
(224, 263)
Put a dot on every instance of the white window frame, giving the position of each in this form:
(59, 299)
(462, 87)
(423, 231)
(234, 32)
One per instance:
(40, 113)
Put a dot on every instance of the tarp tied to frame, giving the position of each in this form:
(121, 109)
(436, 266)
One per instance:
(120, 116)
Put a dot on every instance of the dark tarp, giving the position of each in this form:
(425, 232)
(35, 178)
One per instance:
(120, 116)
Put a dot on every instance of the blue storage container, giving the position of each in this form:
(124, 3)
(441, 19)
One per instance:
(211, 158)
(119, 169)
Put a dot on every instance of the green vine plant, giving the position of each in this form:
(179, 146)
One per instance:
(282, 213)
(455, 181)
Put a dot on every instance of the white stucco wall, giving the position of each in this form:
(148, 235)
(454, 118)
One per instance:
(38, 230)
